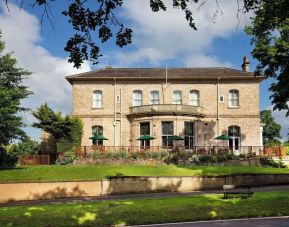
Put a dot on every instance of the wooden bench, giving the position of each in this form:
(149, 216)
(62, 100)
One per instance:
(231, 190)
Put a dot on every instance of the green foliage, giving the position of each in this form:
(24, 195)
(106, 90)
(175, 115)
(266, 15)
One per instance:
(271, 130)
(208, 158)
(25, 147)
(67, 159)
(12, 92)
(122, 155)
(6, 159)
(269, 31)
(269, 162)
(65, 129)
(135, 155)
(110, 155)
(184, 155)
(94, 154)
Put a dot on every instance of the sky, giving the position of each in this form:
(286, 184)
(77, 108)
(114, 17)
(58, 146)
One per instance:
(159, 39)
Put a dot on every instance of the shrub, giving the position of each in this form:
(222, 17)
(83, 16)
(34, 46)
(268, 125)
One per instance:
(149, 155)
(184, 155)
(164, 154)
(110, 155)
(7, 159)
(208, 158)
(231, 156)
(195, 158)
(222, 158)
(242, 156)
(121, 155)
(68, 158)
(135, 155)
(269, 162)
(94, 155)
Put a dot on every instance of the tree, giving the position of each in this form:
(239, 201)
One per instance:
(12, 92)
(25, 147)
(271, 130)
(270, 31)
(65, 128)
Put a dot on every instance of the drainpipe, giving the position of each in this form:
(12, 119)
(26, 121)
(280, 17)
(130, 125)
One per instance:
(114, 122)
(218, 126)
(120, 125)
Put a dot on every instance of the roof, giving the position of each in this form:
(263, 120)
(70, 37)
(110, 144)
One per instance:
(160, 73)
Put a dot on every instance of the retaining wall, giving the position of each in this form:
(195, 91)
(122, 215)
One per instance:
(127, 185)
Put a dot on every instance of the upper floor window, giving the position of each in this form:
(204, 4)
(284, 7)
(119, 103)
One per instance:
(137, 98)
(194, 98)
(233, 98)
(177, 97)
(155, 97)
(97, 99)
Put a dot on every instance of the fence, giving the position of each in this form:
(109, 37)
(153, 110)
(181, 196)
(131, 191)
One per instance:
(83, 151)
(35, 160)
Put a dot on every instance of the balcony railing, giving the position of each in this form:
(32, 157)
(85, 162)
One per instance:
(166, 109)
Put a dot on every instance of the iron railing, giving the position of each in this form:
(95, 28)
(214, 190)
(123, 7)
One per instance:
(166, 109)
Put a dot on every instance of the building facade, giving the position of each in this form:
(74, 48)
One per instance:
(196, 104)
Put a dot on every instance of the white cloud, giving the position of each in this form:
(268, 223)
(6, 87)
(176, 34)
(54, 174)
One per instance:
(21, 33)
(165, 36)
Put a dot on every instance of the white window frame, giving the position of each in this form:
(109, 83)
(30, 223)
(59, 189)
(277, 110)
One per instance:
(154, 99)
(137, 98)
(195, 101)
(234, 98)
(97, 99)
(178, 100)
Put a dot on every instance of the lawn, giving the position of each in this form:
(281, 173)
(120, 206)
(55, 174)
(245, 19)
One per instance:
(74, 173)
(146, 211)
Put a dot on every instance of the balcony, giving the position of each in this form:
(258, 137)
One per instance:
(166, 109)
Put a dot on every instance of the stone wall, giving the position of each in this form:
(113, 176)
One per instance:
(126, 185)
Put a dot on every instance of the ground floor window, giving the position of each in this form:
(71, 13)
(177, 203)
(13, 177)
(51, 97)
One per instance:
(97, 130)
(189, 135)
(167, 131)
(144, 130)
(234, 134)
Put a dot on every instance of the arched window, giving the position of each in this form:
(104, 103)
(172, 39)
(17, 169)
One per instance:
(194, 98)
(137, 98)
(234, 134)
(177, 97)
(155, 97)
(234, 98)
(97, 99)
(97, 130)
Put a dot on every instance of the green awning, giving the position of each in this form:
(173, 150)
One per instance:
(98, 137)
(146, 137)
(175, 137)
(222, 137)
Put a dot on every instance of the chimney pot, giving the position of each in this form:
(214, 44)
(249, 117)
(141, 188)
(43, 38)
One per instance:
(246, 64)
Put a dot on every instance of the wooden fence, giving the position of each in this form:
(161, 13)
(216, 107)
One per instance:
(35, 160)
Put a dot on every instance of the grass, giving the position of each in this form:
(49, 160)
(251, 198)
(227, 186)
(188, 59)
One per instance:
(147, 211)
(75, 173)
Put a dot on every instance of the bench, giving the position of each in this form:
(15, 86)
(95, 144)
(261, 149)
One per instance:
(231, 190)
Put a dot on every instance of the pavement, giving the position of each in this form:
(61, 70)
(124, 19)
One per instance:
(246, 222)
(133, 196)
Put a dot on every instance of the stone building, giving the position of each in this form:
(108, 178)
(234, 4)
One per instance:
(197, 104)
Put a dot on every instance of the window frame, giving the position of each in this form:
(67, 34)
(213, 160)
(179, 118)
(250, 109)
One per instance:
(135, 100)
(152, 99)
(175, 101)
(95, 100)
(231, 98)
(191, 100)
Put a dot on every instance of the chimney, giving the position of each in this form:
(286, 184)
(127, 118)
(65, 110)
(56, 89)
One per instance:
(246, 64)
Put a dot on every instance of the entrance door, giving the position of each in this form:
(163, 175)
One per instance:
(234, 141)
(189, 135)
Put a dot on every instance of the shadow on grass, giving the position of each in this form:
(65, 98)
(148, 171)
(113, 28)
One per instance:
(146, 211)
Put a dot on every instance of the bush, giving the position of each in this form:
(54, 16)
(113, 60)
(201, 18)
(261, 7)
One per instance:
(149, 155)
(67, 159)
(7, 159)
(94, 154)
(195, 158)
(184, 155)
(222, 158)
(269, 162)
(25, 147)
(208, 158)
(135, 155)
(121, 155)
(164, 154)
(110, 155)
(231, 156)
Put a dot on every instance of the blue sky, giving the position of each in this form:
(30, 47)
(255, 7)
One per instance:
(159, 39)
